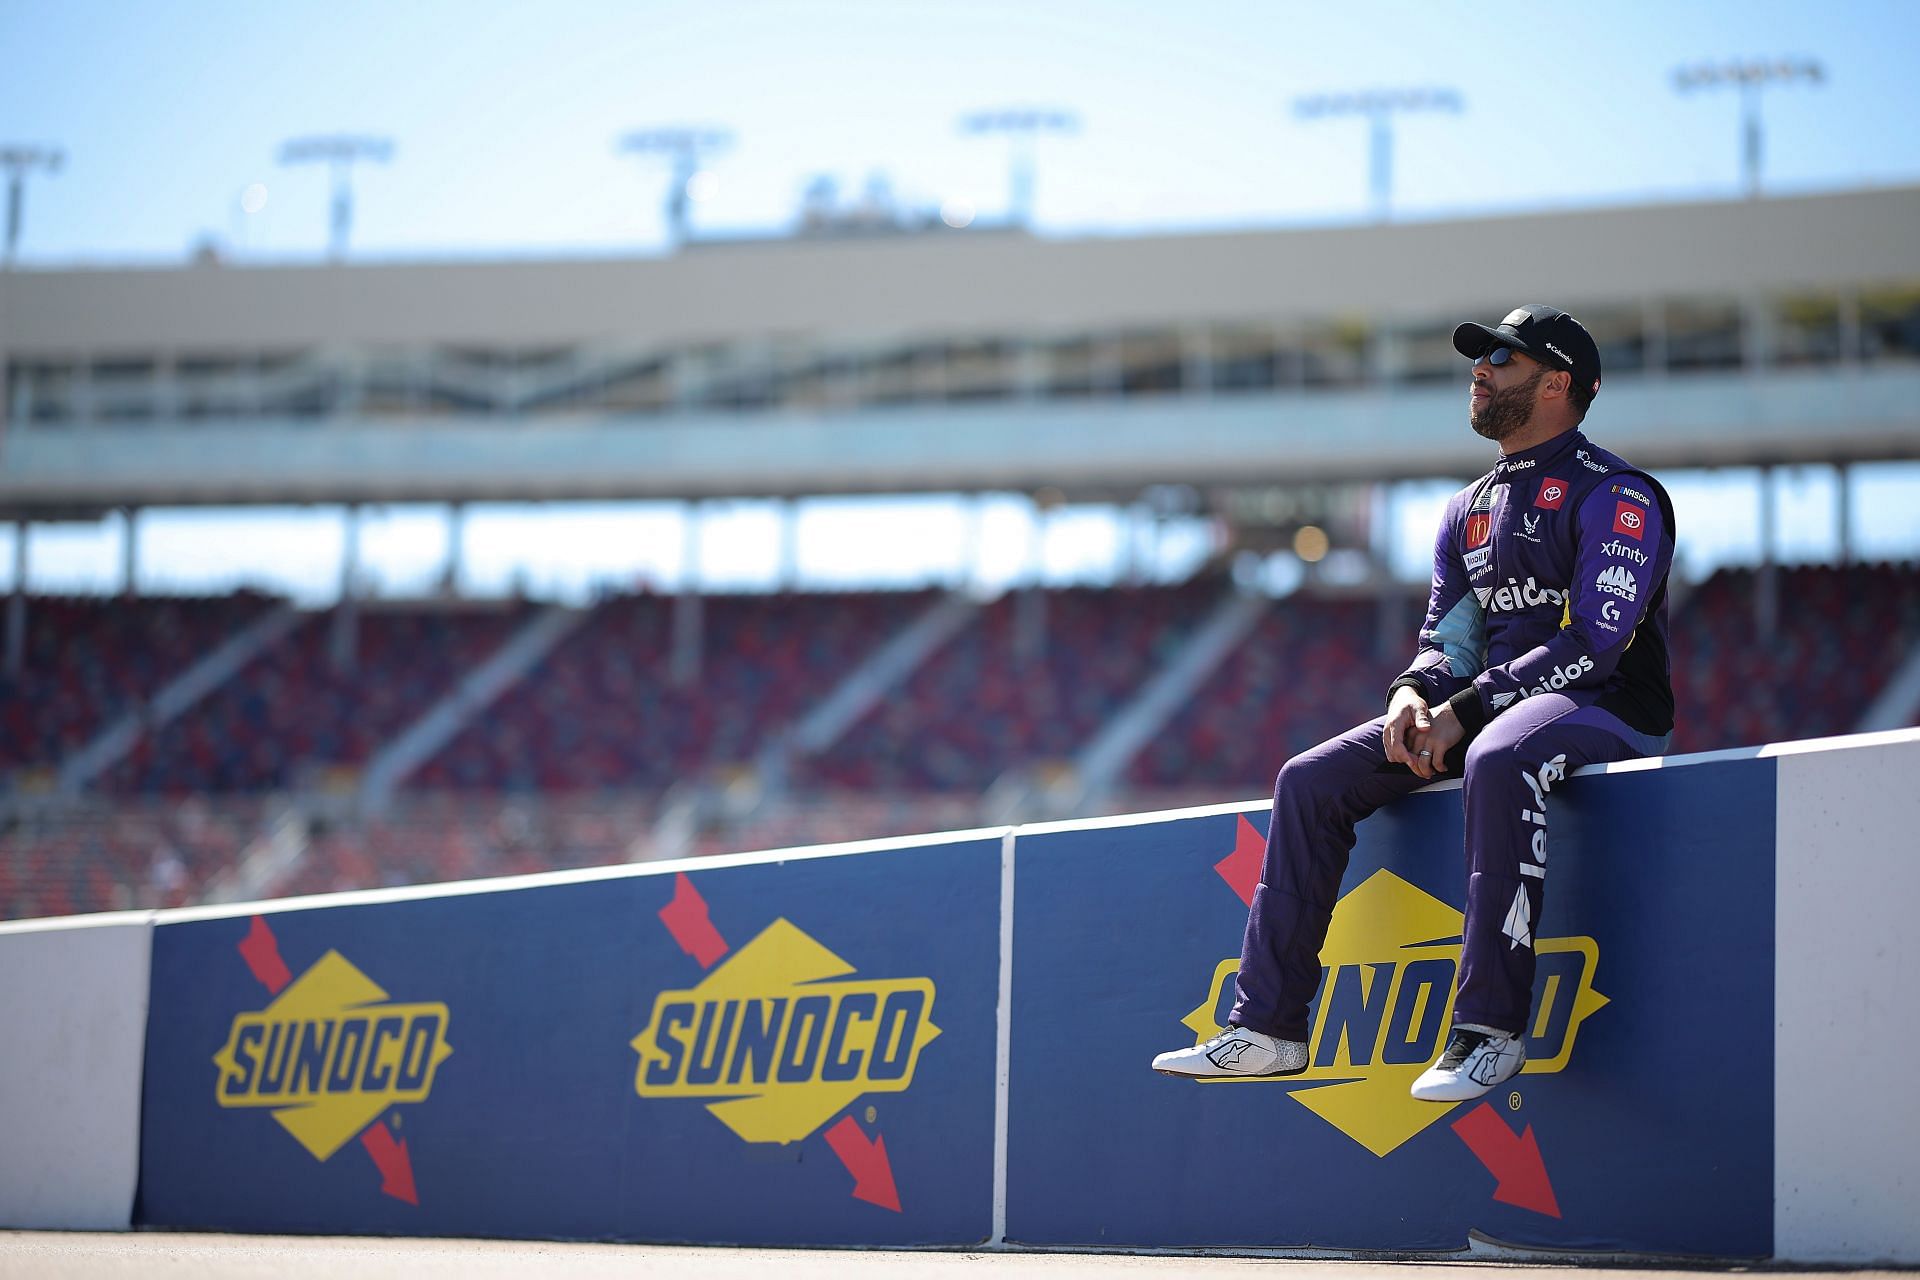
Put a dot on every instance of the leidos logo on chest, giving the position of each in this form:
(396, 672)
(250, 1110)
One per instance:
(781, 1043)
(1391, 956)
(330, 1054)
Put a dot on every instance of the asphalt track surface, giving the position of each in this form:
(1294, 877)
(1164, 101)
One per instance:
(61, 1255)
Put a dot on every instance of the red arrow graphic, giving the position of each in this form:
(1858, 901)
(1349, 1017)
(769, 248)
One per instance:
(867, 1162)
(1513, 1159)
(390, 1155)
(686, 919)
(1241, 868)
(261, 950)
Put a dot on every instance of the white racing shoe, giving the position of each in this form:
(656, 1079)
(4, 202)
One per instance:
(1475, 1060)
(1236, 1052)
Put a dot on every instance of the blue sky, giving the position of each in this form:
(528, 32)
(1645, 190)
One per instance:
(505, 117)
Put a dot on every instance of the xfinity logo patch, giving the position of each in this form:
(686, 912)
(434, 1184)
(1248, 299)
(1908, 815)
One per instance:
(1623, 551)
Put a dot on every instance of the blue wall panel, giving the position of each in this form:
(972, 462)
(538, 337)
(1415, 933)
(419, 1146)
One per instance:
(1649, 1098)
(533, 1124)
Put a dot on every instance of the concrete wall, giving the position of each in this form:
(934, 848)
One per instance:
(1846, 994)
(73, 1021)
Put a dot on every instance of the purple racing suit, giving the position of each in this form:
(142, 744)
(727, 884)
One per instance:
(1547, 634)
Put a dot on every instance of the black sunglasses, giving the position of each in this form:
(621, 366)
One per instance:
(1498, 356)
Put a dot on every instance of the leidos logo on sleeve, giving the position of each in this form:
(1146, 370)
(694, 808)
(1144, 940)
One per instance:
(1385, 1007)
(779, 1041)
(329, 1055)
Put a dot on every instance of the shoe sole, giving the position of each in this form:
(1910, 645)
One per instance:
(1465, 1097)
(1233, 1075)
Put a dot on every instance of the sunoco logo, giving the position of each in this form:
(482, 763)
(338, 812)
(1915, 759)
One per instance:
(1385, 1004)
(330, 1054)
(782, 1038)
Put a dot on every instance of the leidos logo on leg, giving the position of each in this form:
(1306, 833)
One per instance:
(329, 1055)
(1391, 956)
(779, 1042)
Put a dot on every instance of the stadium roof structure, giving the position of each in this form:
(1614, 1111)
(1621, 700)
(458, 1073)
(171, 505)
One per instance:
(1735, 332)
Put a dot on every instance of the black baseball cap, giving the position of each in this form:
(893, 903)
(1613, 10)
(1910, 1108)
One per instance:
(1548, 334)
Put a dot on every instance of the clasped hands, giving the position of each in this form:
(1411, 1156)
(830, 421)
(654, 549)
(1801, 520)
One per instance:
(1418, 736)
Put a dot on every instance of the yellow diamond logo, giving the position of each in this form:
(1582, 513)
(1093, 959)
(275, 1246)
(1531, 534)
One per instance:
(330, 1054)
(782, 1038)
(1385, 1002)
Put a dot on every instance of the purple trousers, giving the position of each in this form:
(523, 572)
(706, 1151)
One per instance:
(1509, 770)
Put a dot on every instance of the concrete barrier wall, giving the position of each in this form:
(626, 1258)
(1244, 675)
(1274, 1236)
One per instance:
(1847, 1000)
(73, 1016)
(945, 1041)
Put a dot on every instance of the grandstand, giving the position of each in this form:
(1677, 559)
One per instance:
(159, 750)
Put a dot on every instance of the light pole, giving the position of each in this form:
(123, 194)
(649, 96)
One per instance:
(19, 161)
(685, 148)
(339, 151)
(1750, 78)
(1379, 106)
(1021, 125)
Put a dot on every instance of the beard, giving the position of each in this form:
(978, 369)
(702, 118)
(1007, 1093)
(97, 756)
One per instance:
(1505, 412)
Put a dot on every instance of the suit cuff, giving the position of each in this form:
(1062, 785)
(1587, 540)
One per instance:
(1408, 681)
(1469, 711)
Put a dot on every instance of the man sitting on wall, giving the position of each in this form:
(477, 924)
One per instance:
(1544, 649)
